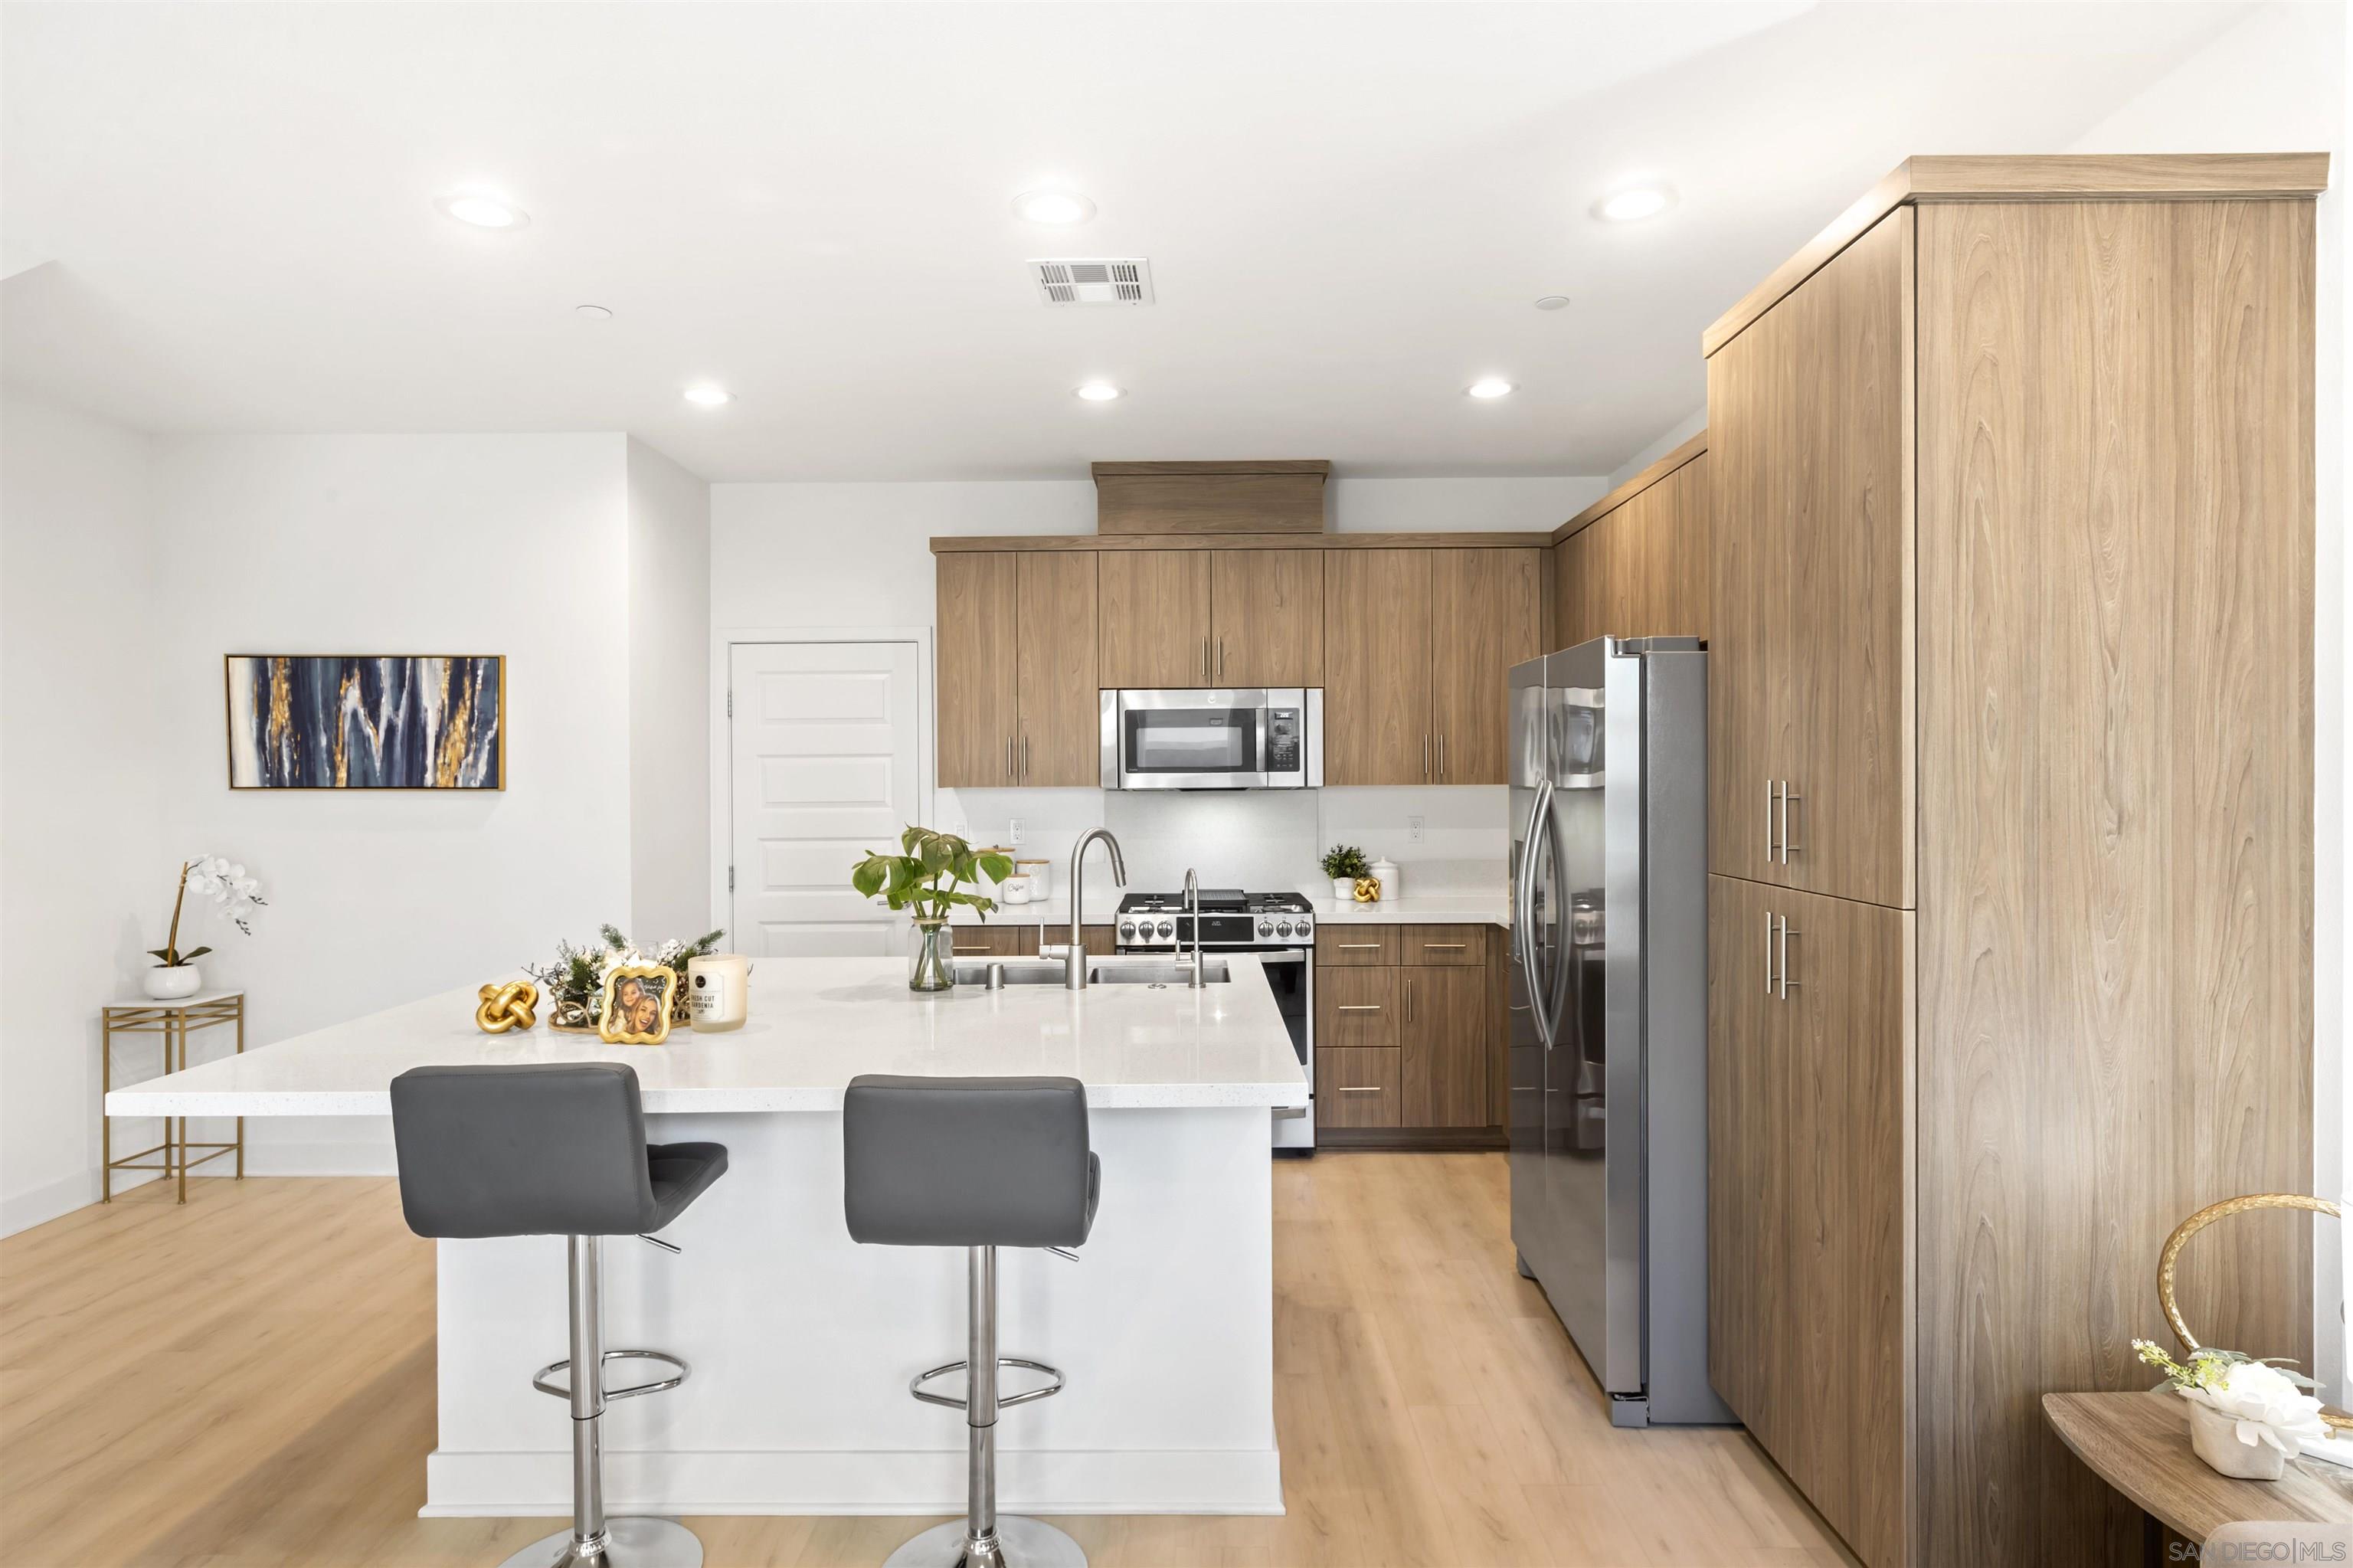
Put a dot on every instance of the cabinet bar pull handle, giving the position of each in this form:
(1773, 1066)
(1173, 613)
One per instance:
(1424, 758)
(1204, 658)
(1769, 829)
(1359, 947)
(1441, 754)
(1786, 799)
(1025, 757)
(1221, 658)
(1786, 934)
(1360, 1088)
(1447, 947)
(1409, 1000)
(1360, 1007)
(1768, 946)
(1008, 757)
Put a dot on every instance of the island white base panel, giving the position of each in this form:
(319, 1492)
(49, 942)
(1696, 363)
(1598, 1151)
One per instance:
(802, 1343)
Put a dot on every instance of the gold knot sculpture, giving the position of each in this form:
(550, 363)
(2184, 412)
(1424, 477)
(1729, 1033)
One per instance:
(508, 1006)
(1369, 890)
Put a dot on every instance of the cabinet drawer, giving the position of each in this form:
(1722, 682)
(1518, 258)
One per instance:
(1441, 943)
(1356, 946)
(988, 941)
(1357, 1088)
(1357, 1008)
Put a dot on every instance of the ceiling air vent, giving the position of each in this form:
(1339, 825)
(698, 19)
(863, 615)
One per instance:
(1092, 280)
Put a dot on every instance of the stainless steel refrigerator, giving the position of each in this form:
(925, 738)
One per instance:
(1609, 1053)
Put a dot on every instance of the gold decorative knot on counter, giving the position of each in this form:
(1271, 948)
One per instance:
(508, 1006)
(2170, 1257)
(1367, 890)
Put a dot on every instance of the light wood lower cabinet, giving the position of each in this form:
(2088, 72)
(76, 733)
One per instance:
(1357, 1087)
(1809, 1029)
(1442, 1045)
(1424, 993)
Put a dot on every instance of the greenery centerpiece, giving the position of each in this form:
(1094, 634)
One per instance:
(574, 982)
(929, 876)
(1343, 863)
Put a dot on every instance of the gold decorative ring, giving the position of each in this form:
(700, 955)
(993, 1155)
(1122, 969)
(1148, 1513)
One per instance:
(508, 1006)
(2171, 1255)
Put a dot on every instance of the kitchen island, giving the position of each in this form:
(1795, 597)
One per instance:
(802, 1342)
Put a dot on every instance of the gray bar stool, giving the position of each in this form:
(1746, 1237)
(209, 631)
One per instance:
(557, 1149)
(977, 1163)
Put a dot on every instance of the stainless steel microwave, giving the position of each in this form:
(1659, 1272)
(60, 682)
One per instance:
(1214, 738)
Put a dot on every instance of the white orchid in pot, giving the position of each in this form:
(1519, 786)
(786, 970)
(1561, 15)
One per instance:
(2247, 1417)
(235, 898)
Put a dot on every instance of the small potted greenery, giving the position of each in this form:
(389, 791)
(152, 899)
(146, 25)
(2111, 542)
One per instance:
(1343, 863)
(928, 877)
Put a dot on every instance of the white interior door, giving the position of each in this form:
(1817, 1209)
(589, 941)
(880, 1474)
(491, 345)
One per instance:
(825, 743)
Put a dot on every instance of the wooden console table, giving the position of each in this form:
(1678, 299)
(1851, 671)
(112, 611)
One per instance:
(2139, 1443)
(173, 1020)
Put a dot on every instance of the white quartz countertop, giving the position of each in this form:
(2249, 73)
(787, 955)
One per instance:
(1431, 909)
(813, 1026)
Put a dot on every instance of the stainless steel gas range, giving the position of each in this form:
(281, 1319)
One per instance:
(1278, 931)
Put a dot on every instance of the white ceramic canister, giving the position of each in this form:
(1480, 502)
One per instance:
(1384, 872)
(718, 989)
(1015, 889)
(1040, 874)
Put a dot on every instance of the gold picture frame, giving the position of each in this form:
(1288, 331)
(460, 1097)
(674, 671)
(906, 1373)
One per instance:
(623, 1007)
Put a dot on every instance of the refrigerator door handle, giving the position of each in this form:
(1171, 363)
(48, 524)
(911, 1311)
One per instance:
(1523, 927)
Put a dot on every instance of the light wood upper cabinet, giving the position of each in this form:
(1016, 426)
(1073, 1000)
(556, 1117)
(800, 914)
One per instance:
(1156, 619)
(1640, 569)
(1377, 650)
(1811, 694)
(1017, 657)
(979, 713)
(1267, 618)
(1055, 642)
(1486, 615)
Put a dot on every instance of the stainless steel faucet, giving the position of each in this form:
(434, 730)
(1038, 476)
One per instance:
(1193, 901)
(1074, 960)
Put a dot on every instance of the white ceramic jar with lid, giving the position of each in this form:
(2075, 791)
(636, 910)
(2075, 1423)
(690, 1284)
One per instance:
(1384, 872)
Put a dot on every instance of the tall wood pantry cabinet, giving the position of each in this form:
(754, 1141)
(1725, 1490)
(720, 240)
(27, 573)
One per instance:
(2010, 818)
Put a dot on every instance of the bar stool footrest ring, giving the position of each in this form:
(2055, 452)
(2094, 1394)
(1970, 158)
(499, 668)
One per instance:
(563, 1390)
(1004, 1401)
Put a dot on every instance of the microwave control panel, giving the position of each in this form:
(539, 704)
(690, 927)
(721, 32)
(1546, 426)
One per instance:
(1283, 728)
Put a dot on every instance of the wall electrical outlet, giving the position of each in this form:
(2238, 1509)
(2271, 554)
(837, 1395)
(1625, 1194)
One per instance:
(1014, 832)
(1413, 830)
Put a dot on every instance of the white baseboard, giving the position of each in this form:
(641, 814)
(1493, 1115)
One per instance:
(39, 1206)
(738, 1481)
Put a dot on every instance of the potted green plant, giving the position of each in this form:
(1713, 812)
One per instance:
(928, 876)
(1343, 863)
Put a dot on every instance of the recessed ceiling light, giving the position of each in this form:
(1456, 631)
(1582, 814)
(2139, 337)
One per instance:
(1049, 204)
(592, 312)
(1098, 391)
(707, 397)
(1489, 386)
(1553, 303)
(1634, 204)
(484, 211)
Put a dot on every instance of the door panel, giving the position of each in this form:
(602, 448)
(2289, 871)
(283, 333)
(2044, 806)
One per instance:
(1376, 667)
(1056, 644)
(823, 767)
(1357, 1008)
(1746, 1208)
(1357, 1087)
(1486, 609)
(978, 713)
(1154, 614)
(1443, 1050)
(1749, 423)
(1267, 618)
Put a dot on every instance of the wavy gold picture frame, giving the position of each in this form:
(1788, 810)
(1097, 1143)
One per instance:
(624, 1007)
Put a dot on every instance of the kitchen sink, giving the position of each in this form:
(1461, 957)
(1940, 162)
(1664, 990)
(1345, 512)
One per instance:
(1049, 971)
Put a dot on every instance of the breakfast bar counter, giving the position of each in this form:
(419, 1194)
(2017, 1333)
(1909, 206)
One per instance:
(802, 1342)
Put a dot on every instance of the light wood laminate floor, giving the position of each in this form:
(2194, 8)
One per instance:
(248, 1380)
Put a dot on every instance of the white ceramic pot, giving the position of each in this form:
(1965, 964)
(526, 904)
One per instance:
(2214, 1437)
(1014, 889)
(170, 982)
(1343, 889)
(1384, 872)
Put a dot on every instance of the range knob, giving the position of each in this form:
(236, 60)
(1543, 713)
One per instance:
(1266, 928)
(1284, 927)
(1127, 930)
(1166, 930)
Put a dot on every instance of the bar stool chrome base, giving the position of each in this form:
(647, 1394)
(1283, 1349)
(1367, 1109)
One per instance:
(629, 1543)
(1018, 1543)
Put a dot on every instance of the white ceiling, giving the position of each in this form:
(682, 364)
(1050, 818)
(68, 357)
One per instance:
(223, 213)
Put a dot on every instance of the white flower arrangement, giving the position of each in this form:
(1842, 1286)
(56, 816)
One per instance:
(235, 898)
(2264, 1404)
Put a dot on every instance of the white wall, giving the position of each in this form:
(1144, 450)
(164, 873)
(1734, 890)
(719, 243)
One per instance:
(670, 708)
(1674, 435)
(790, 555)
(508, 545)
(2276, 84)
(85, 884)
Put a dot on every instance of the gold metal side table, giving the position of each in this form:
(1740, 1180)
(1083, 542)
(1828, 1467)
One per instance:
(174, 1020)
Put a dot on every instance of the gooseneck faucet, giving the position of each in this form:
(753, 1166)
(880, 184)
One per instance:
(1074, 959)
(1193, 901)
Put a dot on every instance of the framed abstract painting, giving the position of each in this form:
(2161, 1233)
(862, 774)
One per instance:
(303, 721)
